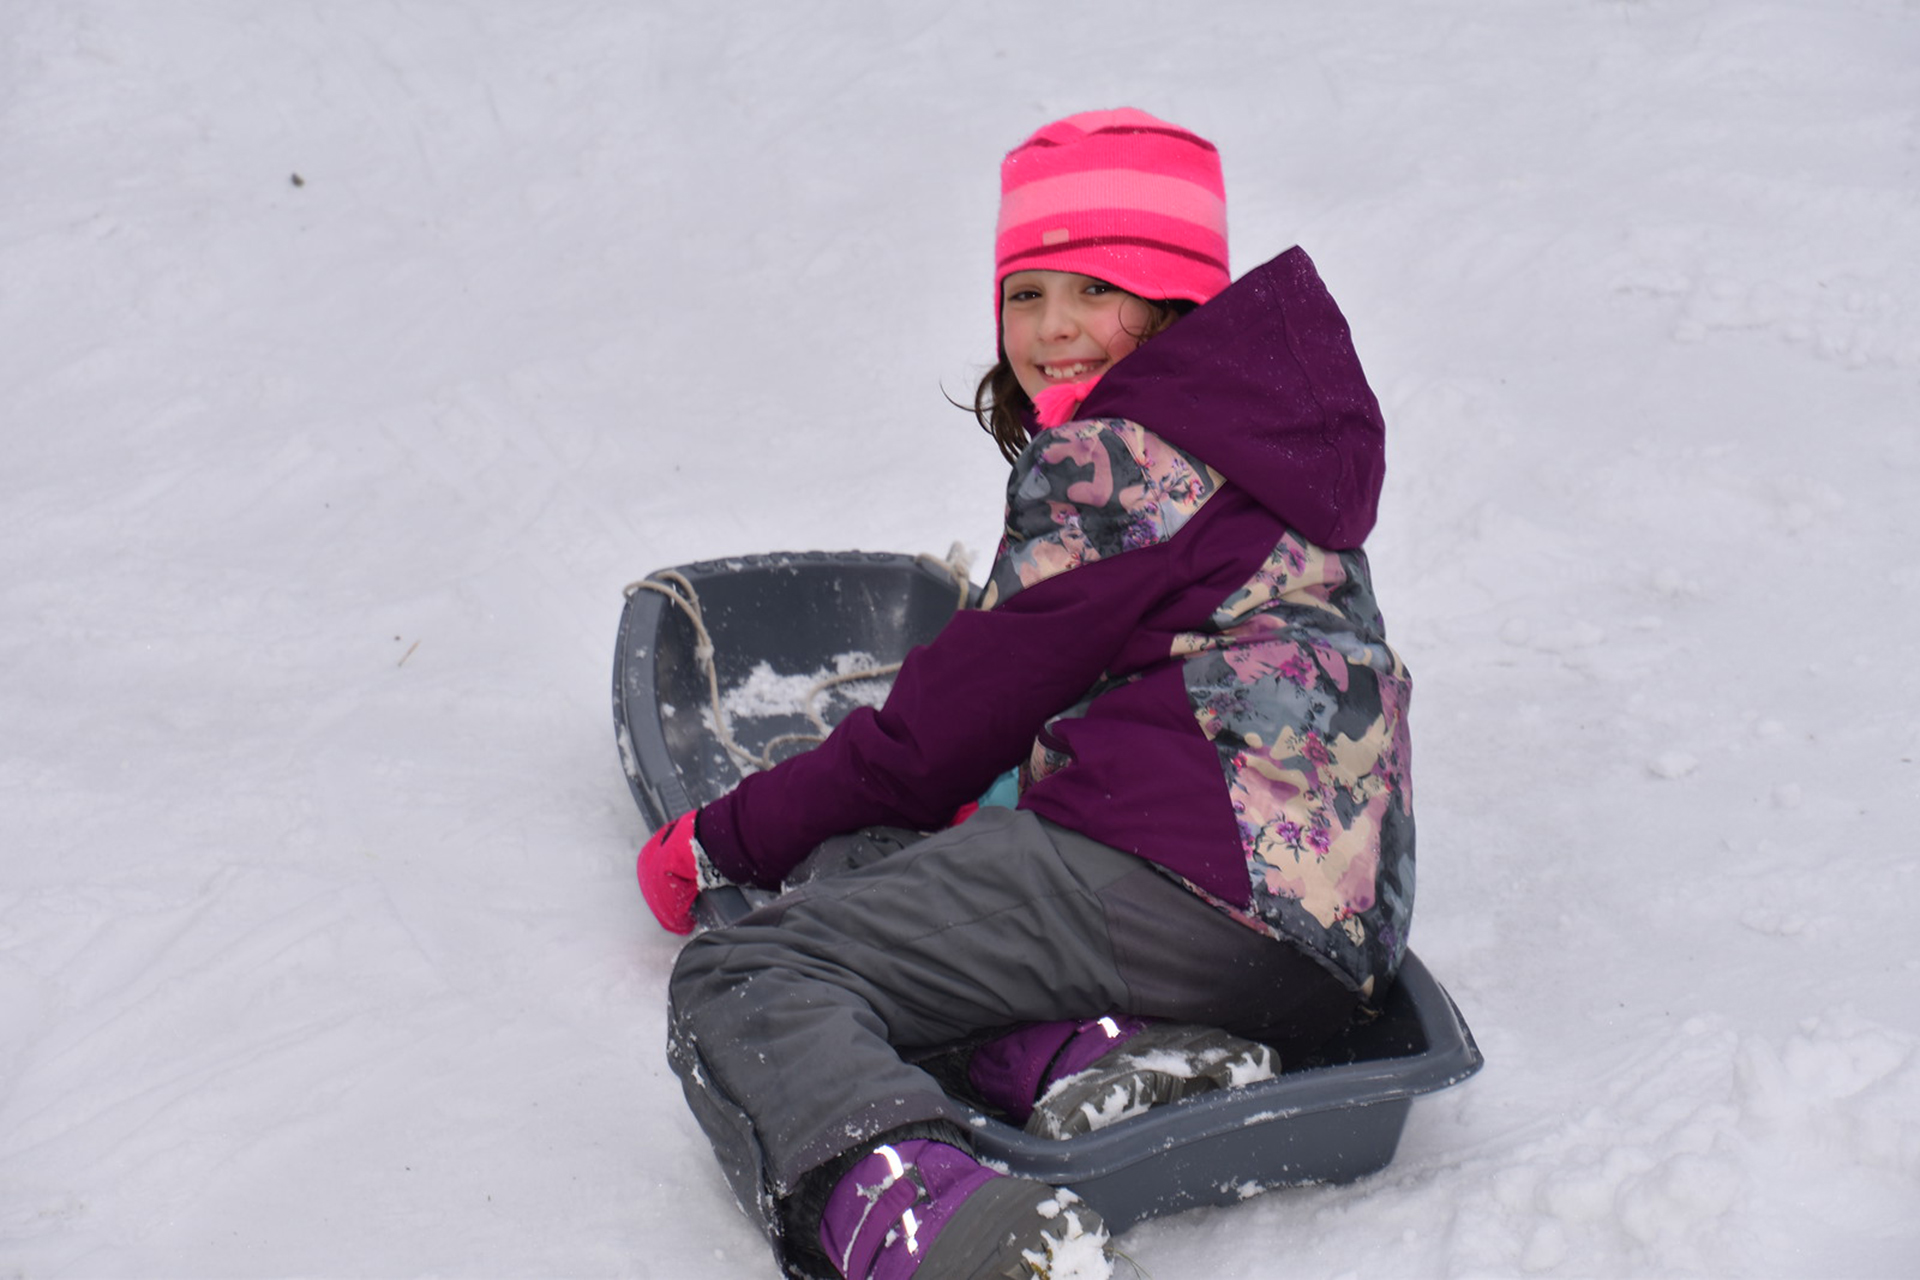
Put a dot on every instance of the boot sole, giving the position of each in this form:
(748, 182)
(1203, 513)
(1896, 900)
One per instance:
(991, 1236)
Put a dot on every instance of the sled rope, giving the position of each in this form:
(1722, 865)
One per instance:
(674, 586)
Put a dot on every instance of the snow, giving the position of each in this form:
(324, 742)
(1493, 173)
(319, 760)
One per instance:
(320, 953)
(768, 693)
(1071, 1252)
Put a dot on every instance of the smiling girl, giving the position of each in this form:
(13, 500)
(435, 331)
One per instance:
(1059, 330)
(1211, 857)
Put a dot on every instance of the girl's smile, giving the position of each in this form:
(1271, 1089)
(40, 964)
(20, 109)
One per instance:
(1058, 327)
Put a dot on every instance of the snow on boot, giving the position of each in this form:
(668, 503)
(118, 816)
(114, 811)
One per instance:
(926, 1209)
(1162, 1063)
(1010, 1072)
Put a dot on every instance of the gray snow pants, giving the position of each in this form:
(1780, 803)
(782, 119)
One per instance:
(787, 1029)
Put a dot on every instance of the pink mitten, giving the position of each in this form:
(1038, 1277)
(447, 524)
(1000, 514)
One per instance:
(668, 878)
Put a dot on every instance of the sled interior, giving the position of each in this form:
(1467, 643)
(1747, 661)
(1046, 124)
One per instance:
(1333, 1118)
(774, 620)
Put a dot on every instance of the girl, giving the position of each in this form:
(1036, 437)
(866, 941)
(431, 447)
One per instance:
(1180, 649)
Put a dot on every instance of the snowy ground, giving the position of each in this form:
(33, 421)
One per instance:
(319, 949)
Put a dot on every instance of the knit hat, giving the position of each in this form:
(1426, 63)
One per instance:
(1118, 195)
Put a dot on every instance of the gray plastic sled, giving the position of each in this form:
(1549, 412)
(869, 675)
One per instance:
(775, 621)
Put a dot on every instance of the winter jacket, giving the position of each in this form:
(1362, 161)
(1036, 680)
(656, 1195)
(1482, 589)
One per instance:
(1179, 645)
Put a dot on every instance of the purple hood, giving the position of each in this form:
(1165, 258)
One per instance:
(1263, 384)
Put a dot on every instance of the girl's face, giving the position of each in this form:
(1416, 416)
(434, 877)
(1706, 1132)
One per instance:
(1058, 327)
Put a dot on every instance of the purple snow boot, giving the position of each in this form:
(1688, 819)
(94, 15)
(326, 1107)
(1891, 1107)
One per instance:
(1063, 1079)
(924, 1208)
(1015, 1069)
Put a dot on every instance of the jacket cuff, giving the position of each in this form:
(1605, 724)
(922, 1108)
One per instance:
(717, 856)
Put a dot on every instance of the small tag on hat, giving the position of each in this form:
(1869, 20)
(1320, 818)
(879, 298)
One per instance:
(1058, 235)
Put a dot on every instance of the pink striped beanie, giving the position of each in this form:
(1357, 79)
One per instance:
(1118, 195)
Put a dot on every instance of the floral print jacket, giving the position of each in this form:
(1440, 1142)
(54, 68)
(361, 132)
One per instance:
(1289, 678)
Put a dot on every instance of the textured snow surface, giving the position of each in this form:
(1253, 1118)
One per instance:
(356, 356)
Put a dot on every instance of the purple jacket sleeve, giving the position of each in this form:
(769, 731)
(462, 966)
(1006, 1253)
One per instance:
(963, 710)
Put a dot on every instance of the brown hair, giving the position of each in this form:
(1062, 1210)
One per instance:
(1002, 407)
